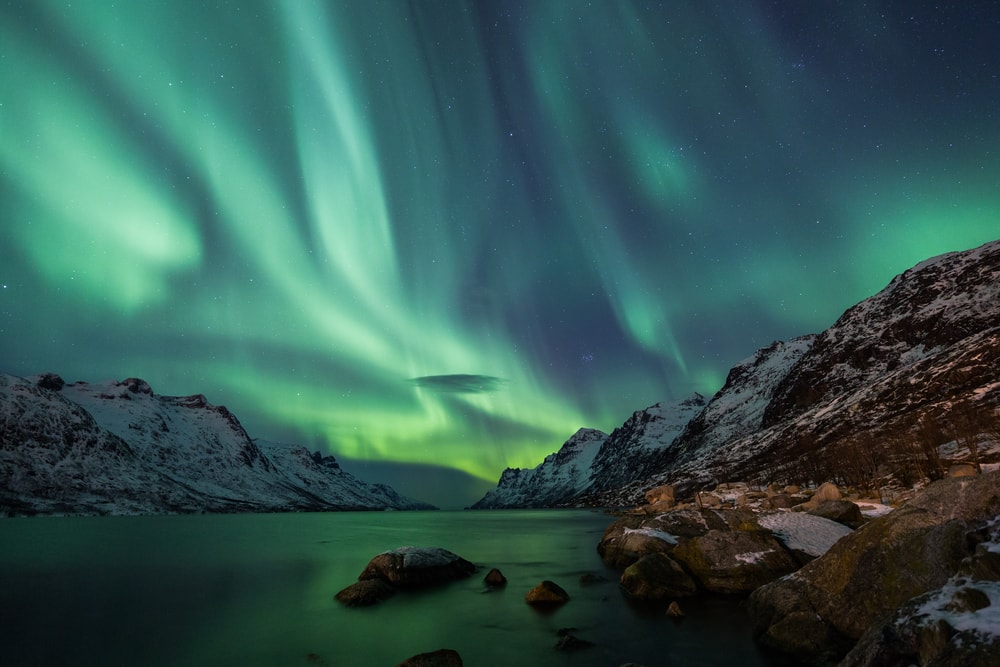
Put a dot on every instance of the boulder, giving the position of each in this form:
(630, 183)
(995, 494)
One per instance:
(824, 608)
(826, 492)
(417, 567)
(962, 470)
(805, 536)
(957, 625)
(494, 578)
(656, 578)
(735, 561)
(50, 381)
(365, 593)
(632, 537)
(547, 594)
(674, 610)
(591, 578)
(660, 494)
(780, 501)
(570, 642)
(444, 657)
(841, 511)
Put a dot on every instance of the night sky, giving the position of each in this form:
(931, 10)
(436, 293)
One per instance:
(436, 238)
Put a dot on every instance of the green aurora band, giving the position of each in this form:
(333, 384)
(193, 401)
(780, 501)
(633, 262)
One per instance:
(451, 233)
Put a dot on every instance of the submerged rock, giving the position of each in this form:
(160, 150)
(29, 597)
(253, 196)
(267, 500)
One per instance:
(417, 567)
(569, 642)
(365, 593)
(444, 657)
(675, 611)
(547, 594)
(405, 567)
(494, 578)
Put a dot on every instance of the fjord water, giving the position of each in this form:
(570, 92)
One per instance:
(258, 590)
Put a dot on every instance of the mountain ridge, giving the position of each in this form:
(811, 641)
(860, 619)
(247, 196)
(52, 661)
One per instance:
(118, 448)
(877, 393)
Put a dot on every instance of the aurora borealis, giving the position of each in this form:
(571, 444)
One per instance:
(443, 235)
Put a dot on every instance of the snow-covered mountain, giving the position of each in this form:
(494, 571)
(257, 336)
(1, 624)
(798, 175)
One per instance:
(592, 461)
(562, 475)
(118, 448)
(923, 351)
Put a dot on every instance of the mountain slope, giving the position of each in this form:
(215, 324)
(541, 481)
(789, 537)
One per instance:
(562, 475)
(118, 448)
(858, 399)
(914, 366)
(591, 460)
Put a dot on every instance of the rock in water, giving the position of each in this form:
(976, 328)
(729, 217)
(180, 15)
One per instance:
(820, 611)
(656, 578)
(547, 594)
(444, 657)
(365, 593)
(568, 642)
(494, 579)
(417, 567)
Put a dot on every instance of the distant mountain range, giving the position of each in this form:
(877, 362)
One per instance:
(118, 448)
(913, 367)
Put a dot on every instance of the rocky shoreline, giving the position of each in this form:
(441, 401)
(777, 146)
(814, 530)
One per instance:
(823, 583)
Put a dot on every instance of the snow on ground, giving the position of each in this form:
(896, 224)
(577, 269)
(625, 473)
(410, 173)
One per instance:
(940, 606)
(873, 510)
(809, 534)
(652, 532)
(752, 557)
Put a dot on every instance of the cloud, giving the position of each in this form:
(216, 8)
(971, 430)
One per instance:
(459, 383)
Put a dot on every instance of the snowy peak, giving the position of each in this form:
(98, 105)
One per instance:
(581, 444)
(117, 447)
(737, 410)
(563, 474)
(591, 460)
(924, 350)
(940, 305)
(636, 447)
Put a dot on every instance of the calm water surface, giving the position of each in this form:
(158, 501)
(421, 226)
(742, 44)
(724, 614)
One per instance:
(258, 590)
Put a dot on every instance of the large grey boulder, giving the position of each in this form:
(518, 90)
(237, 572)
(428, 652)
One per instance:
(734, 561)
(416, 567)
(819, 612)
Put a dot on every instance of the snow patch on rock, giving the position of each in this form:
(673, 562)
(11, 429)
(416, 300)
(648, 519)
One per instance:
(809, 534)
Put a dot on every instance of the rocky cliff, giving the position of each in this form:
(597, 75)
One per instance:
(118, 448)
(898, 375)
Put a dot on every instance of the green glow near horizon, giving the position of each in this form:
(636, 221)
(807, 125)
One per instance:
(297, 207)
